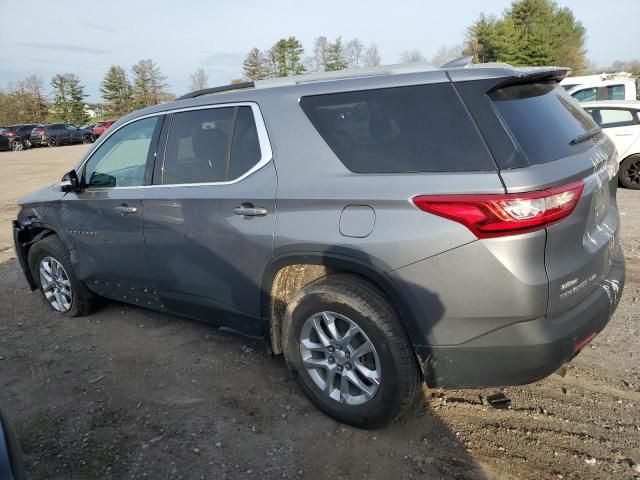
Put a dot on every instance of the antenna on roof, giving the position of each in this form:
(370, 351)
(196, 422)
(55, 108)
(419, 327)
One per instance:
(224, 88)
(459, 62)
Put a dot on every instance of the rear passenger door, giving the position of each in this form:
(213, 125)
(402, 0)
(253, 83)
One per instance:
(620, 124)
(209, 217)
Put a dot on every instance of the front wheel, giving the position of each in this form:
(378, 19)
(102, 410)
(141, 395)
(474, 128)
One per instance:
(87, 139)
(629, 174)
(52, 142)
(350, 355)
(51, 268)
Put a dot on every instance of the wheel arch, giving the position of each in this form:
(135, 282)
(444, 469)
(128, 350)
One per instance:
(323, 264)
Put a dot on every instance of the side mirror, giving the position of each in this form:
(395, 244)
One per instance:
(70, 182)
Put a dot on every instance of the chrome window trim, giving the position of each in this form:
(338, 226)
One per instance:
(263, 139)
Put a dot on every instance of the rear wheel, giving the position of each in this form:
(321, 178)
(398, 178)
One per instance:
(52, 270)
(17, 145)
(87, 139)
(52, 141)
(629, 174)
(345, 346)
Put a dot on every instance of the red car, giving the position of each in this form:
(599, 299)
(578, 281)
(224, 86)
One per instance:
(101, 127)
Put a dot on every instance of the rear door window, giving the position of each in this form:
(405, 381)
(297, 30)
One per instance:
(210, 146)
(544, 120)
(422, 128)
(614, 92)
(610, 118)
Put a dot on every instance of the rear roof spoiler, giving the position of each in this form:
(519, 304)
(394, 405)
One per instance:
(505, 74)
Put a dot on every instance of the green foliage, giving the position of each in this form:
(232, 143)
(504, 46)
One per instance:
(336, 59)
(68, 98)
(23, 102)
(285, 58)
(530, 32)
(117, 92)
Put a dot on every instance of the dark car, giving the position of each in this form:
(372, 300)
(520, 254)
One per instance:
(456, 224)
(10, 140)
(23, 130)
(102, 127)
(55, 134)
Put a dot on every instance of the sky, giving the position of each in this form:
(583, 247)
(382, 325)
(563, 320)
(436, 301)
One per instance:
(86, 38)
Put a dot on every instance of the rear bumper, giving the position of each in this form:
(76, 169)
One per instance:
(527, 351)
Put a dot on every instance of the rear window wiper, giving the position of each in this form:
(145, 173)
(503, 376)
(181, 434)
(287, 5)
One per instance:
(586, 136)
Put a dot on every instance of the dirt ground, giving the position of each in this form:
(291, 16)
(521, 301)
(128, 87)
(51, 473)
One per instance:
(127, 393)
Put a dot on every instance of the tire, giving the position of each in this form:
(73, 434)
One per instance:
(629, 174)
(17, 146)
(351, 301)
(27, 144)
(52, 142)
(80, 298)
(86, 139)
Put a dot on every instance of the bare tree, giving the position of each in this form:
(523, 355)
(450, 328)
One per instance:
(354, 52)
(199, 79)
(446, 54)
(372, 56)
(317, 62)
(412, 56)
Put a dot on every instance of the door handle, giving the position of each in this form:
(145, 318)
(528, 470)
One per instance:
(126, 210)
(248, 210)
(624, 134)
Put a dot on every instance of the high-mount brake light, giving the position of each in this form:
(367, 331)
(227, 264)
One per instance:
(498, 215)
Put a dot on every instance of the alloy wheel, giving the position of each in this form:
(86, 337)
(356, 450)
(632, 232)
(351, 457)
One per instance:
(632, 173)
(340, 358)
(56, 284)
(16, 146)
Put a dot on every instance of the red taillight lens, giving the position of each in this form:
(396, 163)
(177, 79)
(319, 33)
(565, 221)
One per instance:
(504, 214)
(10, 134)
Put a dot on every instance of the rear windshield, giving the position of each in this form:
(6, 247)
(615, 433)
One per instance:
(422, 128)
(544, 120)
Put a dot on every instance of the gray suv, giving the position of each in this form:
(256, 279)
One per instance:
(377, 227)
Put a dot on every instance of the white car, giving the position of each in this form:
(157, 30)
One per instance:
(621, 121)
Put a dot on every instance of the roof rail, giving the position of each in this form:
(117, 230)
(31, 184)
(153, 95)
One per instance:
(459, 62)
(344, 74)
(224, 88)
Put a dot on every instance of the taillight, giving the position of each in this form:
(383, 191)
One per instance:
(504, 214)
(10, 134)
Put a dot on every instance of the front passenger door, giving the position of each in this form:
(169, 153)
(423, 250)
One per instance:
(104, 219)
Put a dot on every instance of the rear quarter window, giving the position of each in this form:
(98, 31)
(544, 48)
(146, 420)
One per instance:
(543, 120)
(423, 128)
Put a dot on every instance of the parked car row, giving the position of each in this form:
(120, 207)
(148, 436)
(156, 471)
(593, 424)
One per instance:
(19, 137)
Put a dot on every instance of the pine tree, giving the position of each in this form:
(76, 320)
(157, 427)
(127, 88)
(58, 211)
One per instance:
(68, 98)
(149, 87)
(117, 92)
(335, 56)
(285, 57)
(254, 66)
(531, 32)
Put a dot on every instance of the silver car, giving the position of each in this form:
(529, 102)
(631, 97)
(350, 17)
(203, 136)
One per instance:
(378, 227)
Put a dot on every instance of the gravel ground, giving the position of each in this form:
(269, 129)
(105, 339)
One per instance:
(128, 393)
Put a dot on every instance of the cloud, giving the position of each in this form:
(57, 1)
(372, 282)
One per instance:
(101, 27)
(66, 48)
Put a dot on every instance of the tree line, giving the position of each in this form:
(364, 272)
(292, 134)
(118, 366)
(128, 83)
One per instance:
(26, 102)
(529, 32)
